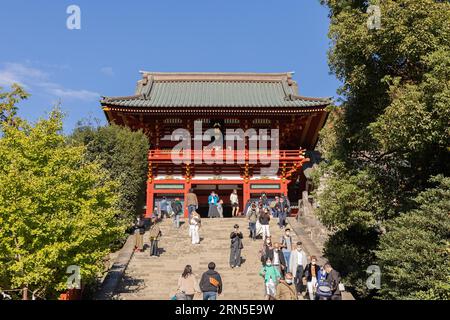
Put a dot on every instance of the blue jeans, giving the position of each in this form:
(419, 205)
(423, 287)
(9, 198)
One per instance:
(287, 256)
(252, 226)
(282, 219)
(274, 213)
(210, 295)
(191, 209)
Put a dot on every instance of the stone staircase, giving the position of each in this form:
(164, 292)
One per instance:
(155, 278)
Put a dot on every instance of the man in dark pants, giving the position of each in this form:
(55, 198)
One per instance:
(277, 258)
(236, 247)
(333, 278)
(191, 203)
(297, 263)
(154, 235)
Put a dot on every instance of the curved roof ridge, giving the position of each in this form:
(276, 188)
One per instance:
(217, 76)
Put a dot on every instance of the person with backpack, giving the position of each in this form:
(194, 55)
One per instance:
(211, 283)
(191, 203)
(286, 288)
(311, 274)
(177, 209)
(333, 279)
(236, 247)
(187, 285)
(271, 277)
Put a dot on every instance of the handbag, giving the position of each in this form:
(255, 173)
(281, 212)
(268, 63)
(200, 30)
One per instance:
(180, 296)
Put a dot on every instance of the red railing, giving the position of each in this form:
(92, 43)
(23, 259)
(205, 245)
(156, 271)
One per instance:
(230, 155)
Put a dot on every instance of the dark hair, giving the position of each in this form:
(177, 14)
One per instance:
(299, 243)
(326, 265)
(187, 271)
(211, 266)
(287, 229)
(236, 226)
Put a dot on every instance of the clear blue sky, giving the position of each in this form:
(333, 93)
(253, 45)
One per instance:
(119, 38)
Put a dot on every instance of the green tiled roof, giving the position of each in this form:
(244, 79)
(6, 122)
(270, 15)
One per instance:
(228, 90)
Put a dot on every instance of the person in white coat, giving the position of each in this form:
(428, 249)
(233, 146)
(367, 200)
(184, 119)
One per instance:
(194, 228)
(297, 264)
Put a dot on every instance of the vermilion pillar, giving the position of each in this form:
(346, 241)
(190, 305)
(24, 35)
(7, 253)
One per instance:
(187, 186)
(246, 196)
(150, 193)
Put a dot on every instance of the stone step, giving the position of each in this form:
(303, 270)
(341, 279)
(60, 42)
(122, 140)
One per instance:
(156, 278)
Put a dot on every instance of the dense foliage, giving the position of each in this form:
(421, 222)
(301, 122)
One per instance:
(56, 208)
(415, 251)
(390, 134)
(123, 153)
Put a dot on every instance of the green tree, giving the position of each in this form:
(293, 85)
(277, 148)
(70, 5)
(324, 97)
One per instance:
(391, 132)
(56, 208)
(123, 154)
(415, 252)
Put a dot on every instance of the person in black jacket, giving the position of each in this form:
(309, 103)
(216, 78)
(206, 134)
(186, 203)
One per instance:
(333, 278)
(264, 220)
(276, 256)
(177, 208)
(311, 273)
(236, 247)
(211, 283)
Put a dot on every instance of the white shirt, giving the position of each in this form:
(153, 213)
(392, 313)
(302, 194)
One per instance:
(234, 198)
(300, 258)
(276, 258)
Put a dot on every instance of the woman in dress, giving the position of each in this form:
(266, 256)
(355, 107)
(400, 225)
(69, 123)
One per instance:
(194, 228)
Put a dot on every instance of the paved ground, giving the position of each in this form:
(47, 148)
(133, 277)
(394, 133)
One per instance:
(152, 278)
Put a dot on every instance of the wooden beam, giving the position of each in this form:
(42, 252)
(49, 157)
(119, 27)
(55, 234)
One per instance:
(305, 130)
(318, 128)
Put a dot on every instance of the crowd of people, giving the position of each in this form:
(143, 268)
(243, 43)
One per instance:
(286, 270)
